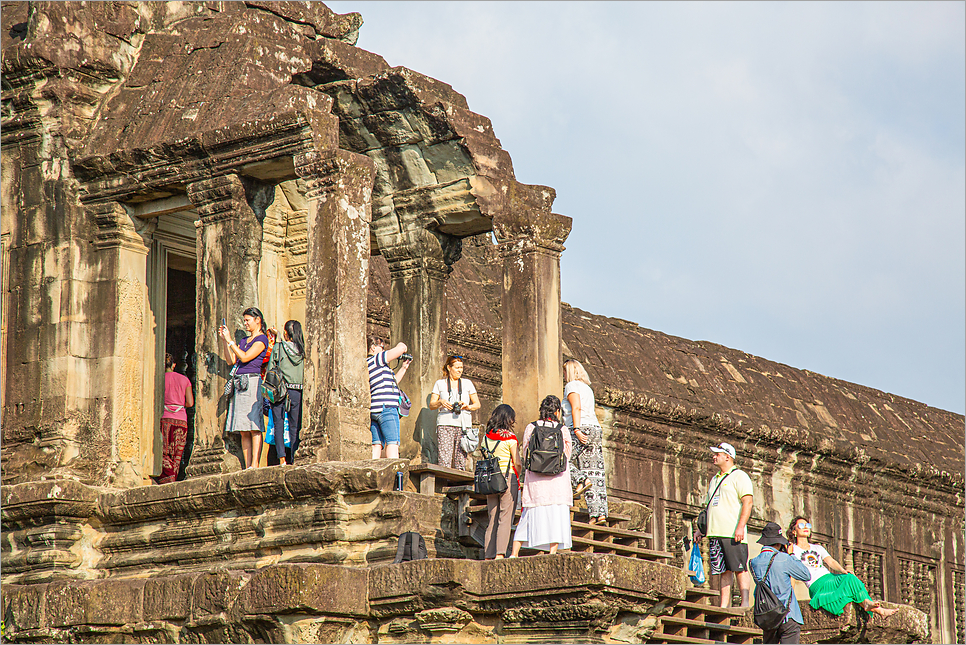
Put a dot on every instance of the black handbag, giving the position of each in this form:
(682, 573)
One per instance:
(488, 478)
(770, 612)
(701, 521)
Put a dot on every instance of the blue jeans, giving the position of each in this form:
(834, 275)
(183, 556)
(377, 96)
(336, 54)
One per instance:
(384, 426)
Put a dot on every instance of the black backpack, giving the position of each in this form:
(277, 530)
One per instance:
(545, 452)
(411, 546)
(769, 610)
(488, 479)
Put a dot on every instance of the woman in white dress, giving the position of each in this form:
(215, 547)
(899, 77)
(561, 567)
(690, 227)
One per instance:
(545, 519)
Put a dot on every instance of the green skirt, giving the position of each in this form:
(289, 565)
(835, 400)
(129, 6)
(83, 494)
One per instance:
(833, 591)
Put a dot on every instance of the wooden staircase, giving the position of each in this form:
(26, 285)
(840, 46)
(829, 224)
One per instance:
(697, 619)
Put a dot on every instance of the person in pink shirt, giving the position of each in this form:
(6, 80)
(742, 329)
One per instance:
(174, 420)
(545, 519)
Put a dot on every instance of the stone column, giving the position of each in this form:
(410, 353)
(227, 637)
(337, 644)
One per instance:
(530, 244)
(132, 440)
(420, 262)
(335, 405)
(229, 250)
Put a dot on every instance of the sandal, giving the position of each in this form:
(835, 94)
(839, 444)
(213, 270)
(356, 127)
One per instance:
(582, 487)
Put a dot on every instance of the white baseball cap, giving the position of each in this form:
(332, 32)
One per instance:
(726, 448)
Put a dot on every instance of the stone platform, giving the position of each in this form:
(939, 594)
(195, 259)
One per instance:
(304, 554)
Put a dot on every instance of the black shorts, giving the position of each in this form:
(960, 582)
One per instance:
(725, 554)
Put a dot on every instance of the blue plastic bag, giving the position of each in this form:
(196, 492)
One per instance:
(696, 565)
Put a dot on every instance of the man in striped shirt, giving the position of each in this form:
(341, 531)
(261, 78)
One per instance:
(384, 395)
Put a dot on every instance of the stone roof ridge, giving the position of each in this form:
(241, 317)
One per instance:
(699, 383)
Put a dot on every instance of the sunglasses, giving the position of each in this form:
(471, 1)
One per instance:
(456, 356)
(804, 525)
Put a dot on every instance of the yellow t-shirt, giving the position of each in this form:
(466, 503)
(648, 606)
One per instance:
(725, 509)
(501, 450)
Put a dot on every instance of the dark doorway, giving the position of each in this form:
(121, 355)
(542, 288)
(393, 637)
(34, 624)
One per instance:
(180, 336)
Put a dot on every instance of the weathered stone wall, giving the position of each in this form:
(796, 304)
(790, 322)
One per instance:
(564, 599)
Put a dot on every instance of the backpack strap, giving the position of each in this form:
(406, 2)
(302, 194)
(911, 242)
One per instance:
(403, 539)
(767, 569)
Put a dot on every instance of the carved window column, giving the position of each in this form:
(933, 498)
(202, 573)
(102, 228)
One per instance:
(131, 377)
(229, 250)
(531, 243)
(335, 403)
(420, 262)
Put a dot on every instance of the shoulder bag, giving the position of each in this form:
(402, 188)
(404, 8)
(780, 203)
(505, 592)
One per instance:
(701, 521)
(488, 478)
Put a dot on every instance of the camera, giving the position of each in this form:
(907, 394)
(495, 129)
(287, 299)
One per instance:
(406, 357)
(457, 407)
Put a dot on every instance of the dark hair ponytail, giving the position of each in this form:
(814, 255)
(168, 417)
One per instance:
(294, 330)
(255, 312)
(549, 408)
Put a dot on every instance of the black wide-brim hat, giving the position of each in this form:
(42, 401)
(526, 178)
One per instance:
(772, 535)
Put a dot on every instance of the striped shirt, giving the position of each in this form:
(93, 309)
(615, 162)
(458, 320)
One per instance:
(383, 390)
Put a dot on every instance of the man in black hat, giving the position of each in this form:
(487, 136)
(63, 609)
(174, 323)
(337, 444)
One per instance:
(783, 568)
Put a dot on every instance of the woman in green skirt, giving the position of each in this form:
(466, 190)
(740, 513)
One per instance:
(830, 591)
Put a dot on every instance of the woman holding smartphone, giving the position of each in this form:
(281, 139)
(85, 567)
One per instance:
(245, 415)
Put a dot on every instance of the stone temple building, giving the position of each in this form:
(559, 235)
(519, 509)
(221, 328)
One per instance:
(167, 164)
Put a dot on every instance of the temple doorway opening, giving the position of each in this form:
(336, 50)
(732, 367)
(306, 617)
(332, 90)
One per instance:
(180, 332)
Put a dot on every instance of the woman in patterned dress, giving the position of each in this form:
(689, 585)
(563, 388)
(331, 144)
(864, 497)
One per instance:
(587, 462)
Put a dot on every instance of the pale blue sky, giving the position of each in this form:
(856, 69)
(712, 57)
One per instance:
(787, 179)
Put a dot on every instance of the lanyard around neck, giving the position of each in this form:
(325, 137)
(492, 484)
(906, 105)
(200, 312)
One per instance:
(459, 387)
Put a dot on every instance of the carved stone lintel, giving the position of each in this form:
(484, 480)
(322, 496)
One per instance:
(116, 228)
(218, 198)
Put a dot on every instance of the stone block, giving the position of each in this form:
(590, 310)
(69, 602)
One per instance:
(114, 602)
(306, 589)
(168, 597)
(62, 498)
(190, 497)
(908, 625)
(328, 478)
(67, 602)
(215, 594)
(24, 606)
(256, 486)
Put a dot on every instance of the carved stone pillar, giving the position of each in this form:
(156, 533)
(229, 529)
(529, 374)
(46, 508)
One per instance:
(132, 366)
(530, 244)
(420, 262)
(335, 404)
(229, 249)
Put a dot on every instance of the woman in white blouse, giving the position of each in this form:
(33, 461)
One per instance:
(455, 397)
(587, 462)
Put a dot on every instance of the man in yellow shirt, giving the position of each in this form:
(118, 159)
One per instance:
(729, 499)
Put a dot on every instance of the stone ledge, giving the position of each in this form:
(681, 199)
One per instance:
(908, 625)
(436, 600)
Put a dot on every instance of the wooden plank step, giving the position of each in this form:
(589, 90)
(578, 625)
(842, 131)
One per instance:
(711, 609)
(716, 627)
(616, 517)
(701, 591)
(611, 530)
(604, 547)
(677, 638)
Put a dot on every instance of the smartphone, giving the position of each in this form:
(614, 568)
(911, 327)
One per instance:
(224, 323)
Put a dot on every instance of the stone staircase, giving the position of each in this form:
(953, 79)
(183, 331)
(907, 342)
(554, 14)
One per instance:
(695, 619)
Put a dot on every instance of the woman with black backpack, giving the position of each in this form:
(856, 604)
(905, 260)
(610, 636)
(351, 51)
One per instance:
(288, 355)
(547, 495)
(502, 444)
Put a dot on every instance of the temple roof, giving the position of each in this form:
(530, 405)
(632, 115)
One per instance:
(681, 381)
